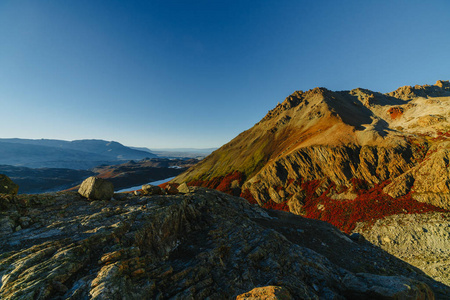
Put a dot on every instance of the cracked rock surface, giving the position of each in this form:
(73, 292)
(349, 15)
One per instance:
(187, 246)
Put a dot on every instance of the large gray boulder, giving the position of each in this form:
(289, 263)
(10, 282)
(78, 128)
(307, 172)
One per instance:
(7, 186)
(95, 188)
(183, 188)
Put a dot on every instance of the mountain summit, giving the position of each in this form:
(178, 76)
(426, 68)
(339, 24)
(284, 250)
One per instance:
(322, 148)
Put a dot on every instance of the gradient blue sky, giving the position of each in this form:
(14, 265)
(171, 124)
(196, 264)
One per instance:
(197, 73)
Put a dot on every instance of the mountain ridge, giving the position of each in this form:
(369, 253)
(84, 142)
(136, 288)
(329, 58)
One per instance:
(337, 138)
(77, 154)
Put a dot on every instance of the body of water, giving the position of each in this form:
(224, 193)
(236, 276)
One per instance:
(138, 187)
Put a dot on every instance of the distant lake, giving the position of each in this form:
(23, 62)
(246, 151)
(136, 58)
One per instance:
(138, 187)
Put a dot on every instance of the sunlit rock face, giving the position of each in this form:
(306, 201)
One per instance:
(94, 188)
(196, 245)
(322, 154)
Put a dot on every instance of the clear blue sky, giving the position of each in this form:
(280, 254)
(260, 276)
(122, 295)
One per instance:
(197, 73)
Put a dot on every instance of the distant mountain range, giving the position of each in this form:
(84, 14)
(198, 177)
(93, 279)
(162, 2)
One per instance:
(182, 152)
(128, 174)
(78, 154)
(50, 165)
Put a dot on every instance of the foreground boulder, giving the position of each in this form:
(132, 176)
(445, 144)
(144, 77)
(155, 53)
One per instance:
(200, 245)
(184, 188)
(7, 186)
(95, 188)
(171, 188)
(148, 189)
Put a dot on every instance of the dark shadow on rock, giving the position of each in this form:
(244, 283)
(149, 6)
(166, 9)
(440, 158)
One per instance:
(355, 256)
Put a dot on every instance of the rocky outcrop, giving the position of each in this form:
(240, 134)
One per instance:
(204, 244)
(429, 180)
(184, 189)
(338, 164)
(266, 293)
(440, 89)
(148, 189)
(364, 285)
(7, 186)
(95, 188)
(420, 239)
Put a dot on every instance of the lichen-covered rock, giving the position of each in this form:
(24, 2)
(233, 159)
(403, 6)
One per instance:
(337, 164)
(183, 188)
(420, 239)
(7, 225)
(429, 181)
(199, 245)
(296, 203)
(361, 285)
(95, 188)
(266, 293)
(7, 186)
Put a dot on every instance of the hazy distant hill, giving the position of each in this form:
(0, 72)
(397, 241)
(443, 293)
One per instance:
(79, 154)
(180, 152)
(128, 174)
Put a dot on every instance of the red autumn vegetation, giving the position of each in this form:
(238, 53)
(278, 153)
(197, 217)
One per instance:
(248, 196)
(225, 184)
(278, 188)
(395, 112)
(165, 184)
(221, 183)
(276, 206)
(370, 205)
(359, 185)
(310, 187)
(442, 136)
(446, 134)
(268, 205)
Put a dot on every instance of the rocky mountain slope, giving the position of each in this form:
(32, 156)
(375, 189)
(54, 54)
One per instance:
(78, 154)
(198, 245)
(329, 155)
